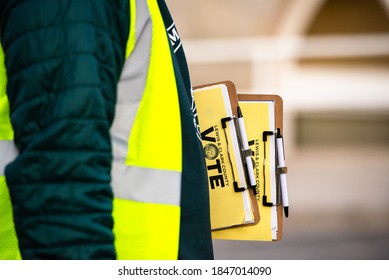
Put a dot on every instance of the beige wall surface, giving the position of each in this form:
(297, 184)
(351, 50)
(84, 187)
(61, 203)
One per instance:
(226, 18)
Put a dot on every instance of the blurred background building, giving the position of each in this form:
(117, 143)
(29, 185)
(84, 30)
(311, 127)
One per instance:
(329, 61)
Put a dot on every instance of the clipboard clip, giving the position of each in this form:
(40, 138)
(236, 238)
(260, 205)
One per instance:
(265, 134)
(237, 188)
(266, 203)
(224, 126)
(225, 120)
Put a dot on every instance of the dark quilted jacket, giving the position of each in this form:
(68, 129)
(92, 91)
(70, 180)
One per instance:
(63, 65)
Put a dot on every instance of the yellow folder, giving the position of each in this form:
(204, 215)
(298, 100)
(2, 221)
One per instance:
(263, 115)
(231, 201)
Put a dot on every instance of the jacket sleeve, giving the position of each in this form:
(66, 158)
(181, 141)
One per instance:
(63, 61)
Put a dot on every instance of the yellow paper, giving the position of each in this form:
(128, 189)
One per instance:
(259, 117)
(223, 159)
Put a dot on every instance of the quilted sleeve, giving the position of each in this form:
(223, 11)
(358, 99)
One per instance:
(63, 61)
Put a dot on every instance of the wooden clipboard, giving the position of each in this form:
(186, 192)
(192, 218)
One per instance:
(278, 115)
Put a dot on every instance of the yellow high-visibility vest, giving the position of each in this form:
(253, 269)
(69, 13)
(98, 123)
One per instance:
(147, 148)
(9, 249)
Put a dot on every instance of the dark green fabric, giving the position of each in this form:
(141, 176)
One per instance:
(63, 61)
(195, 231)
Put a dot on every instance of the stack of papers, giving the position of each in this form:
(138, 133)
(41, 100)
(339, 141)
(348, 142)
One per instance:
(223, 159)
(239, 209)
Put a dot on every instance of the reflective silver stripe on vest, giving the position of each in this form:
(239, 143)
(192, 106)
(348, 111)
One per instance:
(131, 182)
(145, 185)
(133, 80)
(8, 153)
